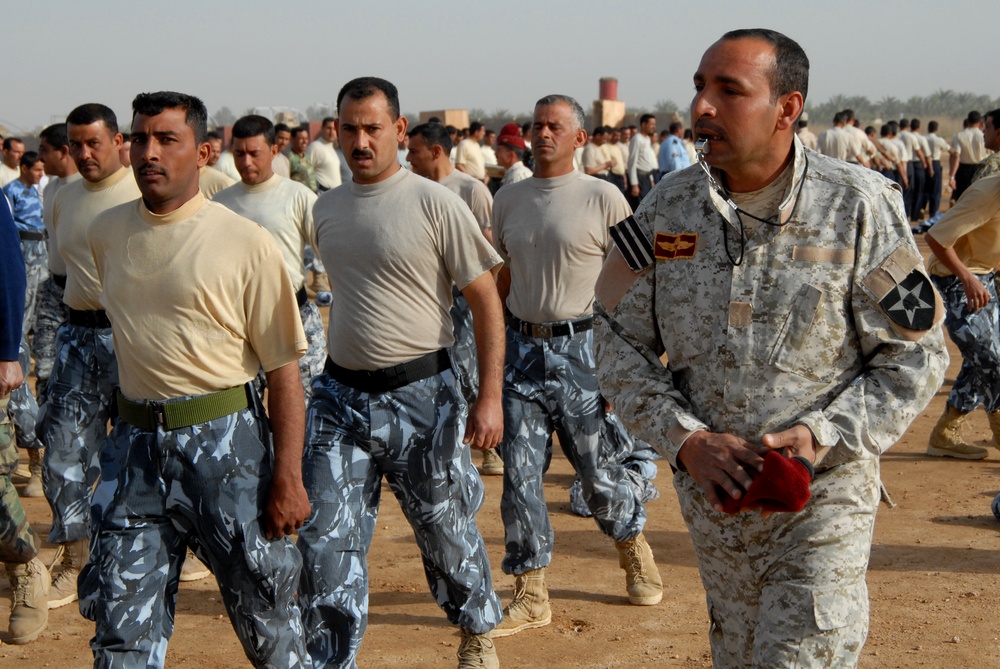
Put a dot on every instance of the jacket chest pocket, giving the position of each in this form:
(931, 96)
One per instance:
(811, 338)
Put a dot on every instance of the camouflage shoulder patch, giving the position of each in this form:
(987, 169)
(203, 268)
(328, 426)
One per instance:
(633, 244)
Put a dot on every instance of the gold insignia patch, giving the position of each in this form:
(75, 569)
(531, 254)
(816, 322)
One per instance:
(675, 247)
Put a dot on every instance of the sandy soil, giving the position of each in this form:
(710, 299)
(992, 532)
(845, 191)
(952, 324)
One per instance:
(934, 581)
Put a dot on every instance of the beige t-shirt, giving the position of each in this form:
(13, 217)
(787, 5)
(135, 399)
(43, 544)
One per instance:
(282, 207)
(211, 181)
(326, 163)
(282, 166)
(613, 151)
(469, 155)
(199, 299)
(833, 142)
(76, 206)
(593, 155)
(971, 146)
(972, 228)
(227, 165)
(56, 263)
(8, 174)
(553, 233)
(473, 193)
(938, 146)
(393, 250)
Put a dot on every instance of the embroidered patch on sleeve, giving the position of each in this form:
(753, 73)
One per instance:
(633, 244)
(675, 247)
(910, 302)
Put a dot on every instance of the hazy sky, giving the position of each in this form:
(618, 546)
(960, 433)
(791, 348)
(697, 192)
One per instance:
(450, 54)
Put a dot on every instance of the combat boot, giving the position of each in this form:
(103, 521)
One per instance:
(477, 652)
(34, 487)
(73, 556)
(530, 606)
(946, 437)
(995, 428)
(29, 611)
(642, 578)
(492, 464)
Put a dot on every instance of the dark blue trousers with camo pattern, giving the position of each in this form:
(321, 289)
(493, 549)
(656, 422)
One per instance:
(202, 487)
(412, 436)
(550, 385)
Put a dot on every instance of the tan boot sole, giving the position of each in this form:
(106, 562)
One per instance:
(945, 453)
(652, 600)
(499, 633)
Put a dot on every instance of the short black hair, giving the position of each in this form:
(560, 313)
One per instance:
(327, 119)
(94, 112)
(675, 126)
(195, 113)
(475, 127)
(281, 127)
(932, 126)
(215, 134)
(29, 159)
(791, 65)
(434, 134)
(298, 130)
(55, 135)
(974, 117)
(8, 141)
(904, 124)
(915, 124)
(870, 130)
(645, 118)
(994, 117)
(365, 87)
(253, 125)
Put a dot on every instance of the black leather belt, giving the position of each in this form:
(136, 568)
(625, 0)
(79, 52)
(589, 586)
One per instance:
(550, 330)
(29, 236)
(59, 280)
(301, 297)
(89, 319)
(390, 378)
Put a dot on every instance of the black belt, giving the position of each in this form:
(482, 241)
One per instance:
(30, 236)
(301, 297)
(390, 378)
(548, 331)
(89, 319)
(59, 280)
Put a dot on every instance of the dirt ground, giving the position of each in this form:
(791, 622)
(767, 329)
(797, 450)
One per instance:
(934, 581)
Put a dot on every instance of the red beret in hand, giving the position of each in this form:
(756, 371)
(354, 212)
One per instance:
(783, 485)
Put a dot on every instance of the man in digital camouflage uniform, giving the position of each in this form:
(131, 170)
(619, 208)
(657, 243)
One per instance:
(74, 418)
(795, 315)
(284, 208)
(552, 231)
(200, 300)
(389, 403)
(28, 577)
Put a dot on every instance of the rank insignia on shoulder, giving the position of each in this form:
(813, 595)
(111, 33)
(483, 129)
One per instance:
(675, 247)
(911, 302)
(633, 244)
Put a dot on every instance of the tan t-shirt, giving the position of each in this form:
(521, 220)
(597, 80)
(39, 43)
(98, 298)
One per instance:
(469, 155)
(56, 263)
(8, 174)
(326, 162)
(553, 234)
(76, 206)
(211, 181)
(473, 193)
(282, 166)
(593, 155)
(613, 151)
(199, 299)
(972, 228)
(393, 250)
(284, 208)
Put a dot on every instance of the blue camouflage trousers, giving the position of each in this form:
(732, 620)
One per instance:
(550, 385)
(50, 313)
(18, 543)
(23, 406)
(73, 423)
(311, 364)
(36, 266)
(977, 337)
(788, 592)
(412, 436)
(202, 487)
(464, 351)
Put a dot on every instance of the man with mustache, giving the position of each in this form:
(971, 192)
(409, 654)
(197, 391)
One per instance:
(389, 404)
(796, 317)
(552, 231)
(200, 300)
(73, 421)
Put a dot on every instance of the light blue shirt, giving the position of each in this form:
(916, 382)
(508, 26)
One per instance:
(673, 156)
(26, 205)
